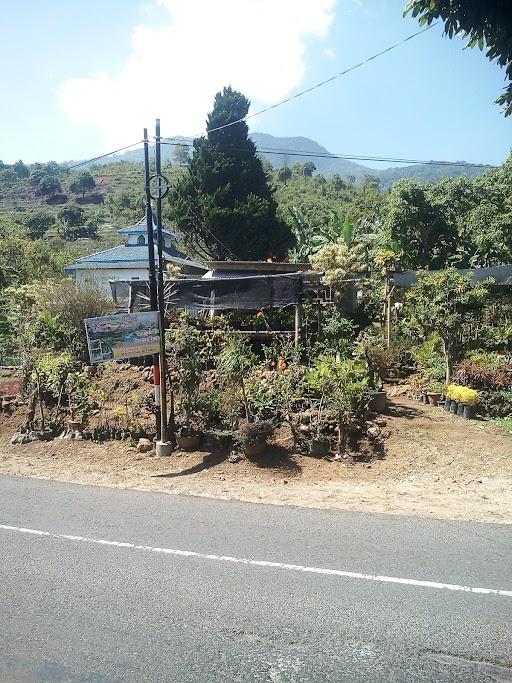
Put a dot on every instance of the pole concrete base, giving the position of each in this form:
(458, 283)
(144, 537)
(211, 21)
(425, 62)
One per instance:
(164, 448)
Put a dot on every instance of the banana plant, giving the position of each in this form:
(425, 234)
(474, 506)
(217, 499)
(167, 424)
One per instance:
(304, 234)
(339, 231)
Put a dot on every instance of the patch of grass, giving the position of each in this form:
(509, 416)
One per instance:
(505, 423)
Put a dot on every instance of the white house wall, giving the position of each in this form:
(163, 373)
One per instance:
(99, 277)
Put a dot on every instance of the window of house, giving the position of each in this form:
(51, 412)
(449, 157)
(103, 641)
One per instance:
(141, 240)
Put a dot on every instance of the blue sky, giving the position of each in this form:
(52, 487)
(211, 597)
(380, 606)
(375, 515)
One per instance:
(75, 82)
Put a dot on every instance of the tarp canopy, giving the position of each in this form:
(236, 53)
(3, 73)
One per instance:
(241, 293)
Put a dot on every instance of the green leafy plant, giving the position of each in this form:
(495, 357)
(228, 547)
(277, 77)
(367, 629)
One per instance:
(234, 364)
(342, 387)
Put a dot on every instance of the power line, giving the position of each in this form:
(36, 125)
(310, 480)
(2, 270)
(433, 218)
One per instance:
(327, 80)
(316, 85)
(102, 156)
(349, 157)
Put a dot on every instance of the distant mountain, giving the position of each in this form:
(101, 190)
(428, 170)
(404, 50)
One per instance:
(294, 146)
(289, 151)
(429, 173)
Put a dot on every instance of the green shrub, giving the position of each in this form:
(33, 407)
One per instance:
(204, 408)
(429, 356)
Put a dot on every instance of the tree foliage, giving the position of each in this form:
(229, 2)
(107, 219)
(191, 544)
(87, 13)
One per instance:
(73, 216)
(21, 169)
(181, 154)
(82, 183)
(418, 227)
(448, 304)
(486, 24)
(224, 206)
(49, 185)
(339, 263)
(38, 223)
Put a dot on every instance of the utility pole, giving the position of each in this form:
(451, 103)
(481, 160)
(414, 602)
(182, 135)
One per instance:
(163, 446)
(152, 280)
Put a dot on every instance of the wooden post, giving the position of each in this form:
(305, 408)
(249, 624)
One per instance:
(388, 321)
(388, 317)
(298, 323)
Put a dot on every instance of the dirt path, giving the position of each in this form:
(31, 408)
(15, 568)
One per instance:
(435, 465)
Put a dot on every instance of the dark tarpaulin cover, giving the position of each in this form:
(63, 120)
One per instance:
(241, 293)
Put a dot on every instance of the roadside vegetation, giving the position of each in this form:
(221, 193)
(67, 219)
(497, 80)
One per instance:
(444, 331)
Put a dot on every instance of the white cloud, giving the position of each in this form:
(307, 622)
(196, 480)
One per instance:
(329, 54)
(173, 71)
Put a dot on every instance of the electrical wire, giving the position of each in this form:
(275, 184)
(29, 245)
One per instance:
(102, 156)
(348, 157)
(327, 80)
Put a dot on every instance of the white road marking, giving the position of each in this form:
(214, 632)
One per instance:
(263, 563)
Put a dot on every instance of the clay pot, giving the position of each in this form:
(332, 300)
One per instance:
(433, 398)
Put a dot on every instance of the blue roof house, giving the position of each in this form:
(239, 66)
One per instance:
(130, 261)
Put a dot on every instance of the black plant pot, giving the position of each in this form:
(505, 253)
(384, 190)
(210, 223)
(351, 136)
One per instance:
(319, 448)
(460, 409)
(447, 403)
(377, 402)
(469, 412)
(453, 407)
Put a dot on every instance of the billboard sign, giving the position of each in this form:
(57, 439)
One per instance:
(124, 335)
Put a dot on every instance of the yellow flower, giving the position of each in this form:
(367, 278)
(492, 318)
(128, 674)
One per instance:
(461, 394)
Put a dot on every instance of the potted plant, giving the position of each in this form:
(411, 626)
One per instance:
(454, 393)
(435, 393)
(319, 447)
(448, 397)
(254, 437)
(469, 399)
(188, 438)
(320, 381)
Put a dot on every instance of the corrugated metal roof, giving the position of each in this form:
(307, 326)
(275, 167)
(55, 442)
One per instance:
(124, 256)
(141, 228)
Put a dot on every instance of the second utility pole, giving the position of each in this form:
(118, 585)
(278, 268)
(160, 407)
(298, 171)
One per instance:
(152, 280)
(163, 446)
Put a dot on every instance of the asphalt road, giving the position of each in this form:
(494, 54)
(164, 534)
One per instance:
(252, 601)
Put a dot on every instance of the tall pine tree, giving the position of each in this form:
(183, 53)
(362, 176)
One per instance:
(224, 206)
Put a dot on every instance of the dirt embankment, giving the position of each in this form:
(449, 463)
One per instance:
(434, 465)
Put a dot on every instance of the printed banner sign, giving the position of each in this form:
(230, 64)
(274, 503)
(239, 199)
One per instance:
(126, 335)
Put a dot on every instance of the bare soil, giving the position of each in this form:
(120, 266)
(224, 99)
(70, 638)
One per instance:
(434, 465)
